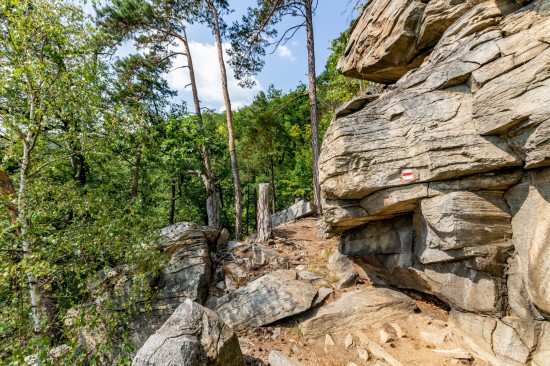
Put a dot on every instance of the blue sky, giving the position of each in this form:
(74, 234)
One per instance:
(284, 68)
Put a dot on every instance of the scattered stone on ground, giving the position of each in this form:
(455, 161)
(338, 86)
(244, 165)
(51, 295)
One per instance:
(363, 354)
(348, 342)
(328, 340)
(277, 358)
(435, 338)
(398, 331)
(385, 337)
(286, 336)
(343, 269)
(454, 353)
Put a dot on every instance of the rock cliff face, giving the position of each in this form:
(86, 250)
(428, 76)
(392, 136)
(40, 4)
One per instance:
(442, 183)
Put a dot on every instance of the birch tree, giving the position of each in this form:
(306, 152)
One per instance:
(46, 52)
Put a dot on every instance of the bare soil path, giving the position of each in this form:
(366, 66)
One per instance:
(412, 338)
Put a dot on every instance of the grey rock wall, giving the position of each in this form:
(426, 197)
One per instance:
(442, 183)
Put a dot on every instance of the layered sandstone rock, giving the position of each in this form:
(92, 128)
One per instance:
(186, 277)
(194, 336)
(442, 184)
(272, 297)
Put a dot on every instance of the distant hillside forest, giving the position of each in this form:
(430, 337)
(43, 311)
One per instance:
(96, 156)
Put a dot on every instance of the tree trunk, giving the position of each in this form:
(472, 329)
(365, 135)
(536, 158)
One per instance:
(34, 290)
(135, 179)
(229, 117)
(272, 181)
(313, 104)
(263, 231)
(172, 210)
(212, 196)
(78, 161)
(80, 168)
(254, 199)
(212, 203)
(247, 210)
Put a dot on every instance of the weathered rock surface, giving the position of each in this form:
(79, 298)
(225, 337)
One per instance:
(188, 273)
(431, 134)
(357, 309)
(343, 268)
(193, 336)
(297, 211)
(271, 297)
(530, 204)
(464, 219)
(392, 236)
(186, 276)
(441, 184)
(277, 358)
(393, 37)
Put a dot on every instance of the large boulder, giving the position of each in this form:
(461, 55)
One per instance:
(192, 336)
(530, 205)
(297, 211)
(357, 309)
(186, 275)
(393, 37)
(188, 271)
(272, 297)
(404, 137)
(441, 183)
(461, 225)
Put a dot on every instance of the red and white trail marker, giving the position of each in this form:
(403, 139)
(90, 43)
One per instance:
(408, 174)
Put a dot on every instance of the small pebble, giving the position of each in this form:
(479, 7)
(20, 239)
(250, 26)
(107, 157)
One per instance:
(385, 337)
(348, 341)
(363, 354)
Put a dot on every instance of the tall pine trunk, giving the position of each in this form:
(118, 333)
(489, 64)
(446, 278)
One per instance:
(229, 117)
(212, 196)
(313, 104)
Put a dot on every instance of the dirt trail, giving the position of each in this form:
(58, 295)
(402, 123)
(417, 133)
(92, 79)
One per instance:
(302, 250)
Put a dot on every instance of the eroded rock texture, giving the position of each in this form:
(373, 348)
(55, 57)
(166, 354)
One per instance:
(193, 336)
(186, 276)
(442, 183)
(272, 297)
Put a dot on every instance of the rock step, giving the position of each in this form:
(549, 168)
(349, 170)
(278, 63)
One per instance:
(277, 358)
(356, 309)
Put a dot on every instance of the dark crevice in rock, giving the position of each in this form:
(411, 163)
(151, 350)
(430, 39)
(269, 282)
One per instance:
(423, 296)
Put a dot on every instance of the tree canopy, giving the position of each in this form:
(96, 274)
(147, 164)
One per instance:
(98, 154)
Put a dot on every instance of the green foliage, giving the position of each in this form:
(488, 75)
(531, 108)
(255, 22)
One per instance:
(273, 144)
(335, 88)
(109, 154)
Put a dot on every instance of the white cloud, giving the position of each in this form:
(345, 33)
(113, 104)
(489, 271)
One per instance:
(285, 53)
(207, 73)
